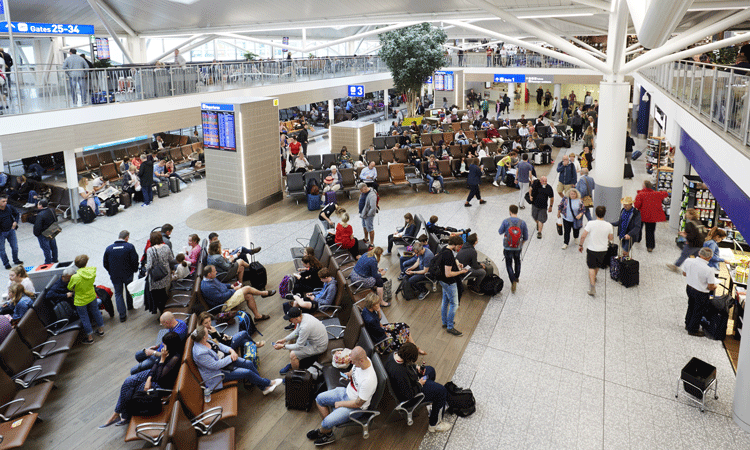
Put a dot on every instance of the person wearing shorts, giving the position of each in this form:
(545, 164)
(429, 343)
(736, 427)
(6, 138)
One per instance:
(600, 233)
(305, 343)
(368, 207)
(540, 195)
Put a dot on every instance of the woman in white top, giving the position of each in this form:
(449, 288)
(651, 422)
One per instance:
(18, 275)
(88, 197)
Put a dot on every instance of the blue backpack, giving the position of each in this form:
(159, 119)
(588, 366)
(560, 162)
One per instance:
(246, 323)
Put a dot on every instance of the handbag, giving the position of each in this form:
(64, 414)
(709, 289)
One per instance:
(226, 317)
(559, 226)
(387, 290)
(144, 403)
(157, 271)
(527, 197)
(588, 202)
(52, 231)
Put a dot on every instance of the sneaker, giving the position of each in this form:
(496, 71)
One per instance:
(289, 296)
(99, 332)
(314, 434)
(18, 263)
(423, 295)
(325, 439)
(289, 327)
(286, 369)
(467, 204)
(440, 427)
(592, 291)
(7, 267)
(482, 202)
(564, 246)
(401, 276)
(698, 333)
(673, 268)
(494, 183)
(445, 326)
(539, 235)
(454, 332)
(272, 386)
(513, 286)
(88, 341)
(445, 191)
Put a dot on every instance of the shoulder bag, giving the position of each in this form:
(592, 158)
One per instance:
(157, 271)
(52, 231)
(588, 202)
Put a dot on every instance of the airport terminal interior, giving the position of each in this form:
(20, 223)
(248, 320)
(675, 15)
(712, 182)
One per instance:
(228, 94)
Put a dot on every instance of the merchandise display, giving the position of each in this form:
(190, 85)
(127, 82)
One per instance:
(659, 159)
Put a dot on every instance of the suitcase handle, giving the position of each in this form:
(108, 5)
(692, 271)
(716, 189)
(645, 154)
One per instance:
(630, 250)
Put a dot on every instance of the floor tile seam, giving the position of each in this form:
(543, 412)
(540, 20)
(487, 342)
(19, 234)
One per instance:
(543, 362)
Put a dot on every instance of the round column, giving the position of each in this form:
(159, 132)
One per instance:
(741, 406)
(512, 94)
(610, 146)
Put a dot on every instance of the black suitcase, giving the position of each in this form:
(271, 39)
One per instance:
(300, 390)
(162, 189)
(561, 141)
(112, 206)
(715, 324)
(628, 171)
(86, 214)
(174, 184)
(257, 276)
(629, 272)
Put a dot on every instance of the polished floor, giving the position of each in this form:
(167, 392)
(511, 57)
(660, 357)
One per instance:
(550, 367)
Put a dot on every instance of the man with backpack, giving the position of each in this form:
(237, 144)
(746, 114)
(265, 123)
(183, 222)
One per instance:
(516, 233)
(445, 268)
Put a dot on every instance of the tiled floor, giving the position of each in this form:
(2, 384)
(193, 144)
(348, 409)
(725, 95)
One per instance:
(550, 366)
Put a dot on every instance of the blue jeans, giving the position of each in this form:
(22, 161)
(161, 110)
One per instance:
(11, 237)
(77, 81)
(686, 252)
(435, 393)
(97, 203)
(87, 313)
(407, 261)
(239, 340)
(450, 302)
(145, 362)
(121, 286)
(32, 197)
(148, 194)
(431, 179)
(338, 416)
(500, 175)
(513, 257)
(415, 281)
(245, 370)
(49, 248)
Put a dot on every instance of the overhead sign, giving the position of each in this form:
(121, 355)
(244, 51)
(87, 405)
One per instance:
(356, 90)
(509, 78)
(540, 79)
(2, 9)
(429, 80)
(216, 107)
(111, 144)
(47, 28)
(444, 72)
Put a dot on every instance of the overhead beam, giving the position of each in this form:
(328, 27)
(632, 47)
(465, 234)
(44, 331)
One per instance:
(360, 35)
(206, 40)
(699, 50)
(592, 50)
(97, 10)
(116, 17)
(599, 4)
(550, 38)
(260, 41)
(715, 6)
(618, 25)
(177, 47)
(361, 40)
(685, 39)
(634, 50)
(527, 45)
(601, 31)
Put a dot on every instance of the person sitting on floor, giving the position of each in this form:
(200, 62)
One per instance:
(310, 339)
(311, 301)
(216, 293)
(213, 358)
(232, 266)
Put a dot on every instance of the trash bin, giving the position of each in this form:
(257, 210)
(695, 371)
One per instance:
(696, 378)
(42, 274)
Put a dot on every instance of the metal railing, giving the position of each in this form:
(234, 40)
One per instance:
(527, 59)
(717, 93)
(47, 90)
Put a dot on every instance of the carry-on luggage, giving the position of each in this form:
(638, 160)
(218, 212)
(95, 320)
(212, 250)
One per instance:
(313, 202)
(86, 214)
(406, 290)
(98, 98)
(628, 171)
(625, 269)
(174, 184)
(714, 323)
(636, 154)
(538, 157)
(257, 275)
(300, 390)
(561, 141)
(126, 200)
(112, 206)
(491, 285)
(460, 401)
(162, 189)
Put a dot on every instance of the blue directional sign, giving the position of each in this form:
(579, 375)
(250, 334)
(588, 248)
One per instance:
(2, 9)
(509, 78)
(48, 28)
(216, 107)
(429, 80)
(356, 90)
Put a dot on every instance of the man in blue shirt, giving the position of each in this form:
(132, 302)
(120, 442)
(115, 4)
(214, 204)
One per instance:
(567, 177)
(473, 180)
(524, 171)
(216, 293)
(313, 302)
(516, 233)
(121, 261)
(148, 356)
(418, 272)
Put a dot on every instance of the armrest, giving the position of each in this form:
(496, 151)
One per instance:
(188, 296)
(204, 383)
(334, 309)
(220, 327)
(18, 377)
(216, 309)
(300, 240)
(40, 346)
(10, 415)
(341, 327)
(358, 415)
(185, 315)
(213, 415)
(62, 323)
(163, 392)
(140, 431)
(411, 404)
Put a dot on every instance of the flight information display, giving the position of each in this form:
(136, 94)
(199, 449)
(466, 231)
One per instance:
(443, 81)
(210, 129)
(226, 131)
(218, 126)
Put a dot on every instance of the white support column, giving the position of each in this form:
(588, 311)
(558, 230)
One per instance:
(385, 104)
(137, 48)
(330, 123)
(71, 178)
(512, 95)
(610, 146)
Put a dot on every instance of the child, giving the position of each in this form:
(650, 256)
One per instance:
(183, 268)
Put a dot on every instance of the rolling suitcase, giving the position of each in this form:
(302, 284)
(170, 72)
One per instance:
(636, 154)
(86, 214)
(174, 184)
(256, 273)
(300, 390)
(714, 323)
(126, 200)
(561, 141)
(162, 189)
(628, 171)
(112, 206)
(538, 156)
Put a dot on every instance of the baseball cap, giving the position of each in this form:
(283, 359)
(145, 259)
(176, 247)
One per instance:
(293, 312)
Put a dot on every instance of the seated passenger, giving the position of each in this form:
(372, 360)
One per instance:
(336, 405)
(344, 235)
(183, 268)
(417, 272)
(300, 163)
(344, 159)
(232, 266)
(239, 252)
(461, 138)
(307, 277)
(213, 358)
(408, 260)
(17, 274)
(409, 230)
(171, 173)
(193, 251)
(370, 175)
(434, 228)
(494, 135)
(217, 293)
(367, 275)
(236, 342)
(386, 337)
(59, 291)
(162, 375)
(408, 380)
(432, 174)
(311, 302)
(130, 181)
(147, 357)
(20, 301)
(310, 340)
(468, 257)
(88, 197)
(333, 182)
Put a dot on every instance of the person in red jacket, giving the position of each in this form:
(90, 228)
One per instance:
(344, 233)
(649, 203)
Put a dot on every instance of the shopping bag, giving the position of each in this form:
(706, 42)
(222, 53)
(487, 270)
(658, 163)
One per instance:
(137, 289)
(559, 224)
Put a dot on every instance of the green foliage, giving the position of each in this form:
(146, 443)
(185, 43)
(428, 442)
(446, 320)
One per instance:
(725, 56)
(102, 63)
(250, 56)
(412, 54)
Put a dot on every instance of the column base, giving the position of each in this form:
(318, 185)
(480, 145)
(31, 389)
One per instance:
(245, 210)
(741, 423)
(609, 197)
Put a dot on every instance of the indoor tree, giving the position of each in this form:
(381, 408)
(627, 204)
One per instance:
(412, 54)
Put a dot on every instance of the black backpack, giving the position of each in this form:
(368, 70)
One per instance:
(436, 270)
(491, 285)
(460, 401)
(406, 289)
(86, 214)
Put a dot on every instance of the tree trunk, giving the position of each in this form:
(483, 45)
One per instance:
(411, 102)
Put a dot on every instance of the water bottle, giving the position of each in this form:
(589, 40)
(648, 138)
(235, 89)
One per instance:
(206, 396)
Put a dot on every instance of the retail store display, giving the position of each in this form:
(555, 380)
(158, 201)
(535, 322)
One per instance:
(659, 160)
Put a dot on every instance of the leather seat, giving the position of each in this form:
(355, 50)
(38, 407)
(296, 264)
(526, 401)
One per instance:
(34, 334)
(17, 357)
(182, 436)
(15, 437)
(33, 397)
(348, 340)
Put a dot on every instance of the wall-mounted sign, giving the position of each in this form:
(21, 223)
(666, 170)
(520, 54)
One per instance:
(217, 121)
(509, 78)
(660, 118)
(443, 80)
(47, 28)
(356, 90)
(540, 79)
(429, 80)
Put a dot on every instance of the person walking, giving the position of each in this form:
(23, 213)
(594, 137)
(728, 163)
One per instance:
(628, 225)
(701, 280)
(121, 261)
(524, 172)
(473, 180)
(694, 235)
(649, 203)
(571, 210)
(146, 175)
(539, 194)
(44, 219)
(567, 178)
(9, 218)
(601, 233)
(450, 281)
(76, 67)
(515, 234)
(368, 207)
(585, 187)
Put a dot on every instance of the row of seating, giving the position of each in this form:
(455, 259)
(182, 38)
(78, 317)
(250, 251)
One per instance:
(58, 197)
(92, 162)
(30, 357)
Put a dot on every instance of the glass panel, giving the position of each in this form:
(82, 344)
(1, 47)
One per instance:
(720, 101)
(736, 110)
(695, 98)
